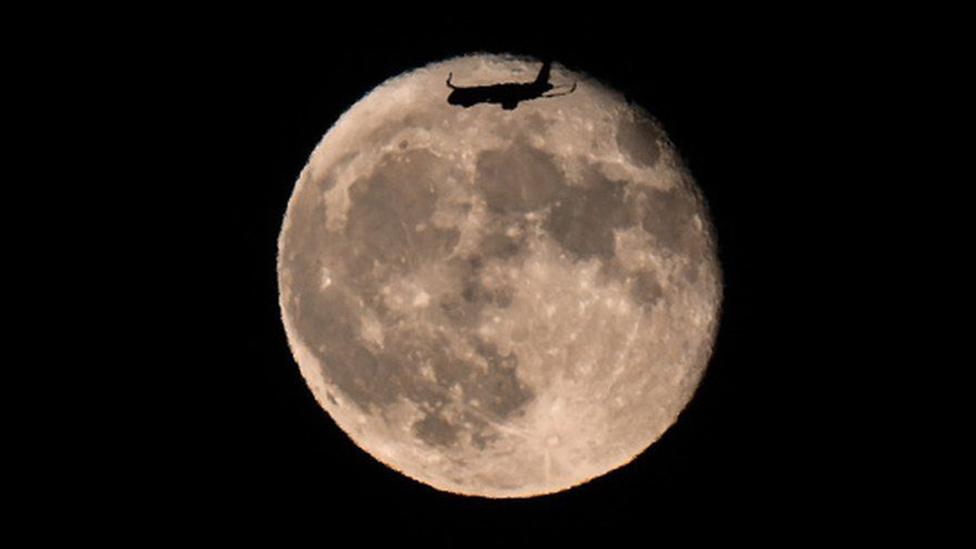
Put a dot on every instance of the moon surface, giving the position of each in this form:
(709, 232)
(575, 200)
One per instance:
(498, 303)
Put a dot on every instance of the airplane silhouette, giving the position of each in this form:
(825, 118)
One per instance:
(508, 94)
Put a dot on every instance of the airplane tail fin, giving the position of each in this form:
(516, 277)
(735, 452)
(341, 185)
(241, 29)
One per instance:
(543, 76)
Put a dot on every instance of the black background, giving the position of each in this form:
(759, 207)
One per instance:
(241, 441)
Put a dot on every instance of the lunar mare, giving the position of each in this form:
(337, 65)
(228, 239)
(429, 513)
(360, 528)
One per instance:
(498, 303)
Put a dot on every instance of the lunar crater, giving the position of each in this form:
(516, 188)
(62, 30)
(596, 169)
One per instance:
(639, 140)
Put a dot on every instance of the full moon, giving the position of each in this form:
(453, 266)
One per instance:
(500, 303)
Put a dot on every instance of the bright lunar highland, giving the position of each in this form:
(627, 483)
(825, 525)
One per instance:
(502, 303)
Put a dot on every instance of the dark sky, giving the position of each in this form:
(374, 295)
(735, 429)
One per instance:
(243, 440)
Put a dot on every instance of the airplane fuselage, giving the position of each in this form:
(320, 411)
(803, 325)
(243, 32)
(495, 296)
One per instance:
(507, 95)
